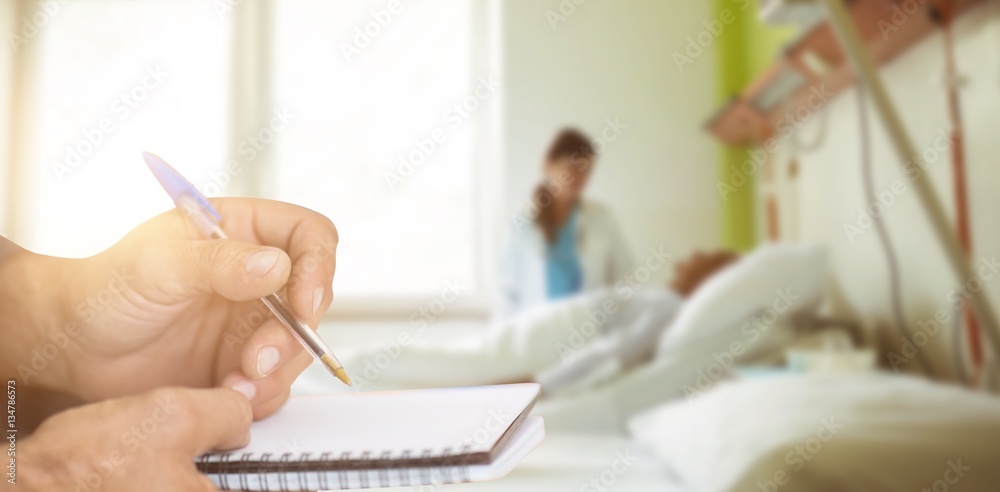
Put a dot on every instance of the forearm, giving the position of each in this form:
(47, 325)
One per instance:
(31, 318)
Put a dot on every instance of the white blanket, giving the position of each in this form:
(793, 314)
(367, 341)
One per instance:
(625, 326)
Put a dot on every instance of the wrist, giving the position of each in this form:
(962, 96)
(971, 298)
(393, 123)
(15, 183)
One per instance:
(35, 323)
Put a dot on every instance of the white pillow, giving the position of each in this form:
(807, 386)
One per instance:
(741, 303)
(848, 432)
(714, 329)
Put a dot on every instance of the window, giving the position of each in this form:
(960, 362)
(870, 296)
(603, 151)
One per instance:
(374, 113)
(376, 143)
(108, 80)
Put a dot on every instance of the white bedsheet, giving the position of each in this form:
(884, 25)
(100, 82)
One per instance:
(569, 462)
(842, 432)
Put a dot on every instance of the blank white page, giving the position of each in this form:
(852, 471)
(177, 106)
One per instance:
(388, 424)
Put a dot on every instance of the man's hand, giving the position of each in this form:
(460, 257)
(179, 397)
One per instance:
(144, 442)
(164, 307)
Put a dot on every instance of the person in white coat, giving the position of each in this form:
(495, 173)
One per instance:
(568, 245)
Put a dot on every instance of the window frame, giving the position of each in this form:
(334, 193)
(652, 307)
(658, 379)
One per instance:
(256, 33)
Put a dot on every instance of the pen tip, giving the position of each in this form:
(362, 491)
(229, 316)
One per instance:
(336, 369)
(342, 375)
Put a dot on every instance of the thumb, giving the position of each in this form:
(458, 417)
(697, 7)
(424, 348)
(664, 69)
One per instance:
(236, 270)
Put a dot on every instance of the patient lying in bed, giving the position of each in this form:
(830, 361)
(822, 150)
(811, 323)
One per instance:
(626, 348)
(635, 330)
(561, 340)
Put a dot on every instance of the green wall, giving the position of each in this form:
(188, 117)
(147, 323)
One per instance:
(743, 50)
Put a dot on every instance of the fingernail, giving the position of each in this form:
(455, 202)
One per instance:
(259, 263)
(317, 298)
(245, 387)
(267, 359)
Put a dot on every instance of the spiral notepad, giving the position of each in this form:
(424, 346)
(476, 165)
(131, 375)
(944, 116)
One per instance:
(403, 438)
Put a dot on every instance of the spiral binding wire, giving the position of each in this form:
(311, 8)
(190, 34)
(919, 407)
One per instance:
(235, 471)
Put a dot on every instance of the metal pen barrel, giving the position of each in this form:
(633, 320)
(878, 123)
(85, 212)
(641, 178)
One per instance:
(304, 334)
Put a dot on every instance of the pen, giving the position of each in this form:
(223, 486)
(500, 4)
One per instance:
(196, 207)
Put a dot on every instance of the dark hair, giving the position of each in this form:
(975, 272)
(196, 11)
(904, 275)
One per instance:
(569, 142)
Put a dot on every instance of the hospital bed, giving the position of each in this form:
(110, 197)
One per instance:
(736, 434)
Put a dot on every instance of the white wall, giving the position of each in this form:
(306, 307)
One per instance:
(829, 189)
(612, 59)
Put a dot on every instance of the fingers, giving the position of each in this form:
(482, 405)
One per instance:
(236, 270)
(309, 238)
(267, 408)
(143, 442)
(267, 349)
(208, 419)
(311, 242)
(267, 394)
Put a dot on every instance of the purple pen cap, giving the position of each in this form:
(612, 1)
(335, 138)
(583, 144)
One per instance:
(174, 184)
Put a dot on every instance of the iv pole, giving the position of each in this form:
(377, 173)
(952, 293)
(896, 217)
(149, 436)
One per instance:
(865, 69)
